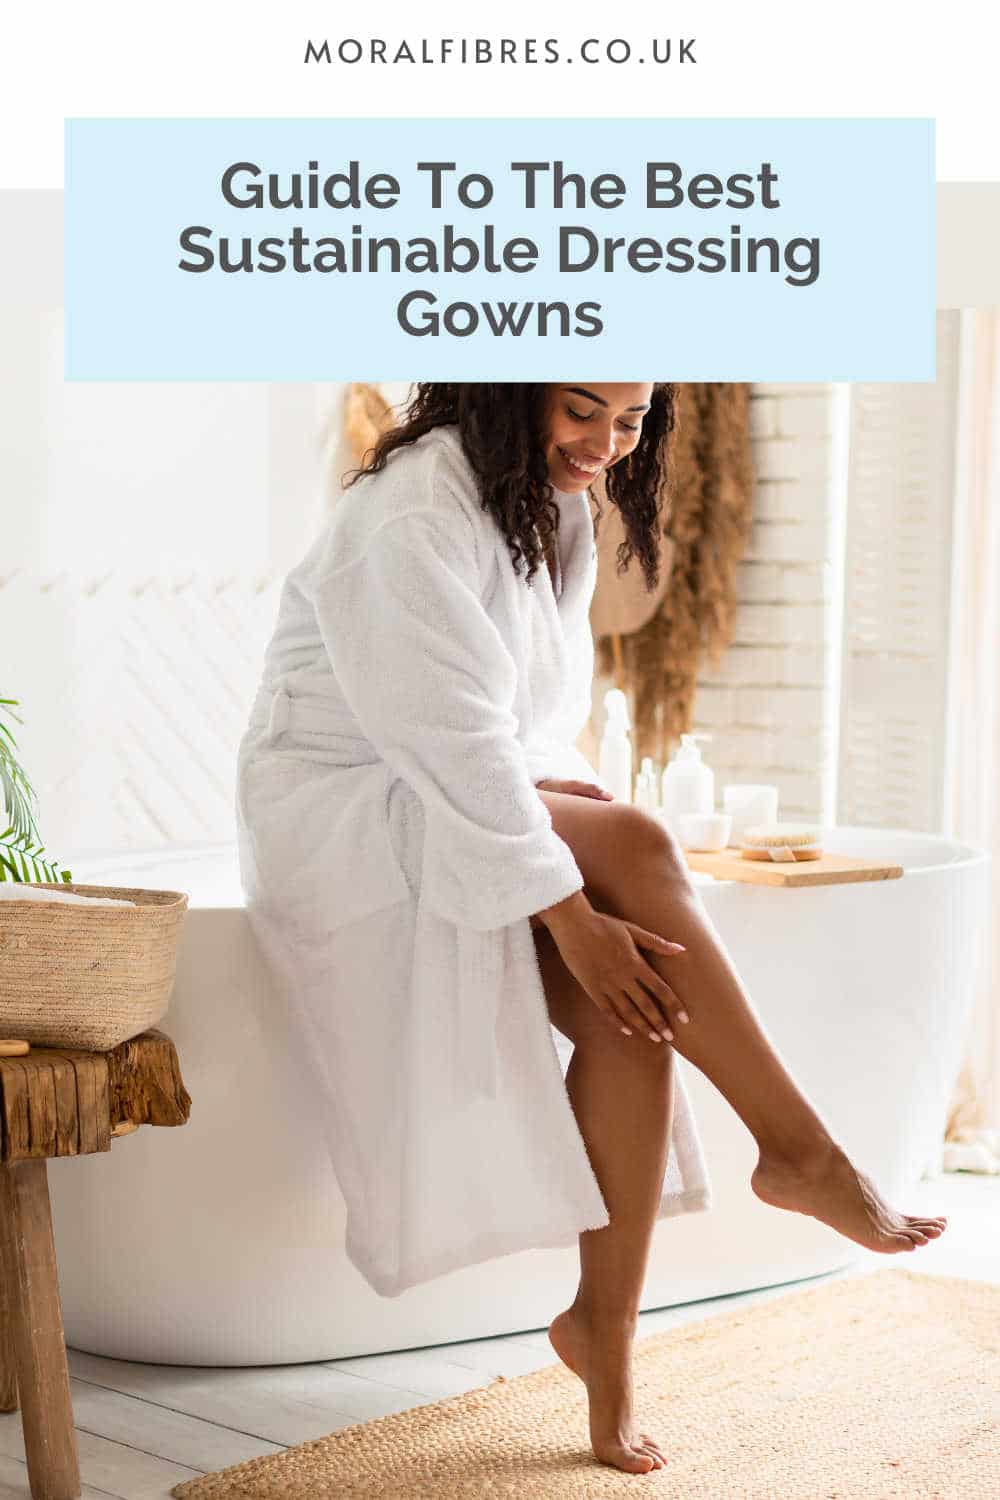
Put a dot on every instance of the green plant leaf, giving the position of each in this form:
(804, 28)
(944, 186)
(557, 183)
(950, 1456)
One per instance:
(21, 848)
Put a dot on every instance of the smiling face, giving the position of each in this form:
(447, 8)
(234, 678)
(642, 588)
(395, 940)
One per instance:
(588, 427)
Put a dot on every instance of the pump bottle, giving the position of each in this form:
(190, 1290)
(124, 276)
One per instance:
(615, 760)
(688, 784)
(647, 786)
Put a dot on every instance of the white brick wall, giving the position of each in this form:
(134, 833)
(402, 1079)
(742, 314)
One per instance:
(768, 703)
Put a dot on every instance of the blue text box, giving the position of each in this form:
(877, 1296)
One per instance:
(855, 213)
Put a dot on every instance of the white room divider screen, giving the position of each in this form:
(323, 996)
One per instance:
(146, 528)
(898, 569)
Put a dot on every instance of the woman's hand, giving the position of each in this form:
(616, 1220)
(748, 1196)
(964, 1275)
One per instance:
(575, 789)
(602, 952)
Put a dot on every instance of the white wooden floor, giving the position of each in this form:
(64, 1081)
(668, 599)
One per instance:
(142, 1428)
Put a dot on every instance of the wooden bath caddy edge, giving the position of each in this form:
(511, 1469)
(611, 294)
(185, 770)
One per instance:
(829, 869)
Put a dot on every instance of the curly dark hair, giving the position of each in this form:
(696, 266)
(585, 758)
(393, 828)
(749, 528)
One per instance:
(500, 428)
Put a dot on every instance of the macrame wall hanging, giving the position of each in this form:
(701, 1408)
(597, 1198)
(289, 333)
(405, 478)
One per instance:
(653, 644)
(367, 414)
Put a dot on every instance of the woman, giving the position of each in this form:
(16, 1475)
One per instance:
(438, 878)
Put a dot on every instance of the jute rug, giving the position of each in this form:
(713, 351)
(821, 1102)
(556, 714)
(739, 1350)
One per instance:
(865, 1388)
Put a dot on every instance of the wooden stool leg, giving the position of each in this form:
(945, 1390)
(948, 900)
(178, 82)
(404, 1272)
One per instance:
(29, 1259)
(8, 1372)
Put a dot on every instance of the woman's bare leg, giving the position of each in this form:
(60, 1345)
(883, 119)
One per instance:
(622, 1098)
(632, 868)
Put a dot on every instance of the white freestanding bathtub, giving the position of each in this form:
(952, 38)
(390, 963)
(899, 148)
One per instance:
(221, 1243)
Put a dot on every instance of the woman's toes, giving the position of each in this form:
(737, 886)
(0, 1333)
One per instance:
(631, 1458)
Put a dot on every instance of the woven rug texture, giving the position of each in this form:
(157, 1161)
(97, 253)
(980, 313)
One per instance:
(863, 1388)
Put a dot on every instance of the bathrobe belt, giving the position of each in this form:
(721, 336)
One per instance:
(277, 711)
(479, 957)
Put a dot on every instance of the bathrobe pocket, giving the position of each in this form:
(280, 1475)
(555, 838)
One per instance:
(319, 838)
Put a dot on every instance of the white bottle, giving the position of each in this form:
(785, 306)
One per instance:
(615, 761)
(647, 786)
(688, 784)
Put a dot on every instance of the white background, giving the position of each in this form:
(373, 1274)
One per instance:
(218, 57)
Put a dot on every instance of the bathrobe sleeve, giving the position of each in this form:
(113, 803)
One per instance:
(555, 757)
(431, 683)
(562, 762)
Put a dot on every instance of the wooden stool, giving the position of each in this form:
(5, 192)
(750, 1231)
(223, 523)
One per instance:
(57, 1101)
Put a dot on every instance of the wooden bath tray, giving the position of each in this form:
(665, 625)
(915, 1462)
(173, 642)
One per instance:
(829, 869)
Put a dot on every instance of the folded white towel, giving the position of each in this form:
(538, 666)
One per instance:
(15, 892)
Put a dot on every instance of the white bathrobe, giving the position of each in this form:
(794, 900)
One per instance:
(392, 847)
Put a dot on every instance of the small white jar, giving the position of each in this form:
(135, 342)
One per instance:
(704, 832)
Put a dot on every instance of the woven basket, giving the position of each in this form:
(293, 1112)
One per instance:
(87, 976)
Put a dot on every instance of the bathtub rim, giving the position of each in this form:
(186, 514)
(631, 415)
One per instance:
(101, 862)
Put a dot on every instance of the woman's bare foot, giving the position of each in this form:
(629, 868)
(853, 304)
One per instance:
(603, 1362)
(826, 1185)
